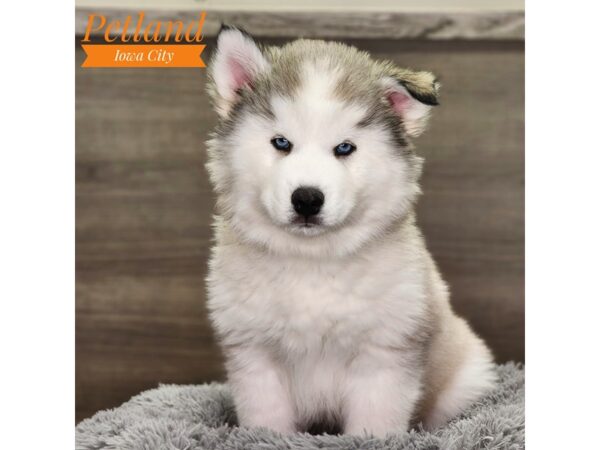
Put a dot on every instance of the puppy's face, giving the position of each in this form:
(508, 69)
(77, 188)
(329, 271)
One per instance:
(312, 153)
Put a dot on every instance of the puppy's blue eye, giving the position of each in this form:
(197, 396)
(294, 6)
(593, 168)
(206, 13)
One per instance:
(281, 143)
(344, 149)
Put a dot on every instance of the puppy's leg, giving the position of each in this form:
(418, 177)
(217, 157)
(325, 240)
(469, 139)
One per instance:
(260, 391)
(380, 400)
(471, 380)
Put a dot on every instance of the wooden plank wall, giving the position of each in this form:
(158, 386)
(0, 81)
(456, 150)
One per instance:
(144, 205)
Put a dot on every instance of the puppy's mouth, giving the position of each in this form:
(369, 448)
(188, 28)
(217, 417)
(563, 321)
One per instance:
(306, 221)
(307, 226)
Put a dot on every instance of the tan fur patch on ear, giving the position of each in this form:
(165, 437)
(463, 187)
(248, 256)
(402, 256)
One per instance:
(411, 94)
(422, 85)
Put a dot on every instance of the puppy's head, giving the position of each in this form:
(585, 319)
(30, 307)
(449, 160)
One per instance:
(312, 154)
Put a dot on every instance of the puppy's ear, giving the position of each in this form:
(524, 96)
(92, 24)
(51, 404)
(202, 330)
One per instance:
(237, 62)
(412, 95)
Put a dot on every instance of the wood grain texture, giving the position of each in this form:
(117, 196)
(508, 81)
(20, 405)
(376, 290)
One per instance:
(143, 212)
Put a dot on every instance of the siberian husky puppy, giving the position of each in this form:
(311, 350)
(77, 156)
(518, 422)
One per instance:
(329, 308)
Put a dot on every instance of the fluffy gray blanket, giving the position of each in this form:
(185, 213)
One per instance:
(202, 417)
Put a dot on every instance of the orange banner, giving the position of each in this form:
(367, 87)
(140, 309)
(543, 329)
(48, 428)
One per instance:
(167, 56)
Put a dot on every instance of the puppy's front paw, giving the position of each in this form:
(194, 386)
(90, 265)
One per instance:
(379, 402)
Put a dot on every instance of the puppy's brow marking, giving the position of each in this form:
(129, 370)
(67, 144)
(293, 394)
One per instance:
(368, 120)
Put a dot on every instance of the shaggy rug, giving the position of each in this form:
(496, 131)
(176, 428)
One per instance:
(202, 417)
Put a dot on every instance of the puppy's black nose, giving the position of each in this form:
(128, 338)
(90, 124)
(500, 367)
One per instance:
(307, 201)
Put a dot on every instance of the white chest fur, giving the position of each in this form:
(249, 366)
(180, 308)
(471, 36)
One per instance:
(315, 318)
(343, 337)
(300, 306)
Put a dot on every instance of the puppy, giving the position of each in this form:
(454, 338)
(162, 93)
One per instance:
(330, 310)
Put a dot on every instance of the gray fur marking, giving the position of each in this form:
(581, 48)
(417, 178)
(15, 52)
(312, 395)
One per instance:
(359, 83)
